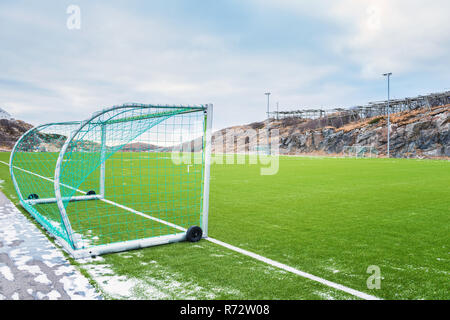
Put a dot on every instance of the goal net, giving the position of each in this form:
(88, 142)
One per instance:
(359, 151)
(131, 176)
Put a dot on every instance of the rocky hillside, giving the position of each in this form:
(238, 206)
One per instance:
(418, 133)
(10, 131)
(139, 147)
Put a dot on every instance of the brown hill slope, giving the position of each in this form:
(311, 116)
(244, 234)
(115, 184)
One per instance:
(418, 133)
(10, 132)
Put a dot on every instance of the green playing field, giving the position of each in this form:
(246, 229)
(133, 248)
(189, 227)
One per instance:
(148, 183)
(330, 217)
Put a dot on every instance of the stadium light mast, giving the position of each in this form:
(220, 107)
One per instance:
(388, 75)
(268, 95)
(267, 126)
(277, 111)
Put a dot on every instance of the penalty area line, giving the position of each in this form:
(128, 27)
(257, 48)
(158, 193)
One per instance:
(250, 254)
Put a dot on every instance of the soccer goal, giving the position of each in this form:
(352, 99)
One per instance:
(359, 151)
(261, 150)
(128, 177)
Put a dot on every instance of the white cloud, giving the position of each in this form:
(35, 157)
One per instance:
(119, 56)
(383, 35)
(400, 36)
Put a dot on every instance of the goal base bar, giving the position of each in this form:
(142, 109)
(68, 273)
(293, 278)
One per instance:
(112, 247)
(54, 200)
(121, 246)
(83, 253)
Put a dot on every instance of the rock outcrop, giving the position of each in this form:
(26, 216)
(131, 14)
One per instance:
(418, 133)
(10, 132)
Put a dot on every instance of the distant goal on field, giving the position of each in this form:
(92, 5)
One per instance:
(359, 151)
(261, 150)
(130, 176)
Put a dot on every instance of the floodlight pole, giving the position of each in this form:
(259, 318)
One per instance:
(268, 95)
(267, 127)
(277, 111)
(388, 75)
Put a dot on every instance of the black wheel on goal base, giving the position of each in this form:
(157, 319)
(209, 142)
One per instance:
(194, 234)
(33, 196)
(90, 193)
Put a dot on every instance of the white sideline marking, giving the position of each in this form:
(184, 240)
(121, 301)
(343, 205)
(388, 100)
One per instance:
(250, 254)
(258, 257)
(45, 178)
(303, 274)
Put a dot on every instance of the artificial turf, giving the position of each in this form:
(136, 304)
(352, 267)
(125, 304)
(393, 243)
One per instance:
(330, 217)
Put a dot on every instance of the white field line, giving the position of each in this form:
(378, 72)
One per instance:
(105, 200)
(303, 274)
(45, 178)
(144, 215)
(250, 254)
(258, 257)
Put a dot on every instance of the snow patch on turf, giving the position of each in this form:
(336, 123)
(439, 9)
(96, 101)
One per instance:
(91, 260)
(154, 283)
(116, 286)
(325, 295)
(333, 268)
(6, 272)
(269, 270)
(120, 286)
(42, 278)
(35, 268)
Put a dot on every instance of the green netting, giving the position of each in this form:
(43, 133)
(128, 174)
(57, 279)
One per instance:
(118, 176)
(33, 162)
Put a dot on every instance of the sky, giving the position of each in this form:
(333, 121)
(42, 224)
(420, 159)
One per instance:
(308, 54)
